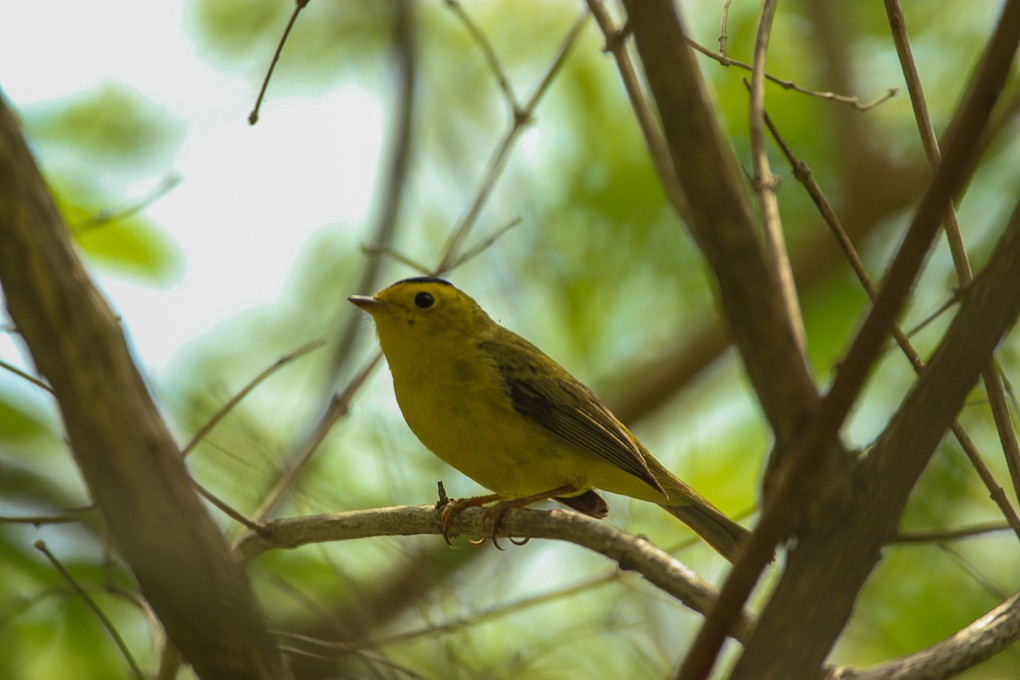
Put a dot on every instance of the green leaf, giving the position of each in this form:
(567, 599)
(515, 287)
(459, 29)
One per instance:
(131, 245)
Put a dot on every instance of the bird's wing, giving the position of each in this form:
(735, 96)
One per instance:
(543, 391)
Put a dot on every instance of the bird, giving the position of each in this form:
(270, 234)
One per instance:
(498, 409)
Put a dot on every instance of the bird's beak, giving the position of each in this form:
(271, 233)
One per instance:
(369, 304)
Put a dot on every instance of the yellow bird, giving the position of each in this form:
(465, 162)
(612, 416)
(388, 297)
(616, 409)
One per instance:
(497, 408)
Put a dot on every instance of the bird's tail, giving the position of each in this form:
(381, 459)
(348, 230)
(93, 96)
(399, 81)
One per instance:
(718, 530)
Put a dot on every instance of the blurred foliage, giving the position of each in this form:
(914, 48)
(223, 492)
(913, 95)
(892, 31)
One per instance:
(598, 272)
(128, 245)
(94, 144)
(109, 126)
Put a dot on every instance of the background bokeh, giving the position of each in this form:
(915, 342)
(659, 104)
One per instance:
(224, 246)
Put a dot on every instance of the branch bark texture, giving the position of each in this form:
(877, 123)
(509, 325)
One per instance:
(633, 554)
(721, 220)
(800, 625)
(981, 640)
(816, 608)
(127, 456)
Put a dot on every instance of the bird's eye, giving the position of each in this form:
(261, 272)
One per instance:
(424, 300)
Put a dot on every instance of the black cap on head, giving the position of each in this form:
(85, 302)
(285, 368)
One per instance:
(424, 279)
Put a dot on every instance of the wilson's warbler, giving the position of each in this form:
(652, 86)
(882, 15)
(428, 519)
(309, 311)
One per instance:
(495, 407)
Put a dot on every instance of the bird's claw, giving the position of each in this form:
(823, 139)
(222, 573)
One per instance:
(446, 513)
(450, 507)
(495, 514)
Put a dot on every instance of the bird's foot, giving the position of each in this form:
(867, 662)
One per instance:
(449, 507)
(496, 512)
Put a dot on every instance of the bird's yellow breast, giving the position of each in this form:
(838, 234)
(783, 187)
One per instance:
(458, 406)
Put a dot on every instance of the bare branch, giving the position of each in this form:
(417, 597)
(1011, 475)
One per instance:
(721, 221)
(723, 20)
(854, 101)
(66, 517)
(121, 444)
(26, 376)
(766, 184)
(107, 216)
(299, 5)
(980, 641)
(222, 412)
(630, 552)
(479, 248)
(499, 157)
(801, 476)
(489, 614)
(657, 150)
(941, 535)
(839, 552)
(990, 376)
(337, 408)
(485, 45)
(828, 213)
(100, 614)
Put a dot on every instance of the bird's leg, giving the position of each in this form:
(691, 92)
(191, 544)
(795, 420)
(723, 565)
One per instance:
(496, 511)
(451, 507)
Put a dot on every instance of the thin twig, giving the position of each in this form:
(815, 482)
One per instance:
(652, 133)
(939, 311)
(103, 217)
(485, 45)
(803, 173)
(337, 408)
(502, 152)
(110, 628)
(475, 251)
(805, 459)
(468, 255)
(27, 376)
(765, 183)
(489, 614)
(954, 236)
(340, 648)
(69, 515)
(943, 535)
(630, 552)
(372, 249)
(299, 5)
(974, 573)
(222, 412)
(723, 20)
(855, 102)
(225, 508)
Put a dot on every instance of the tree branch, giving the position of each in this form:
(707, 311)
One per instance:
(954, 235)
(834, 560)
(825, 209)
(803, 475)
(721, 221)
(980, 641)
(630, 552)
(125, 452)
(766, 184)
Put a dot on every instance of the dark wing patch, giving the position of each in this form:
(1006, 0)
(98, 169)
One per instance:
(550, 397)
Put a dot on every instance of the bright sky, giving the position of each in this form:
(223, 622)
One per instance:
(249, 196)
